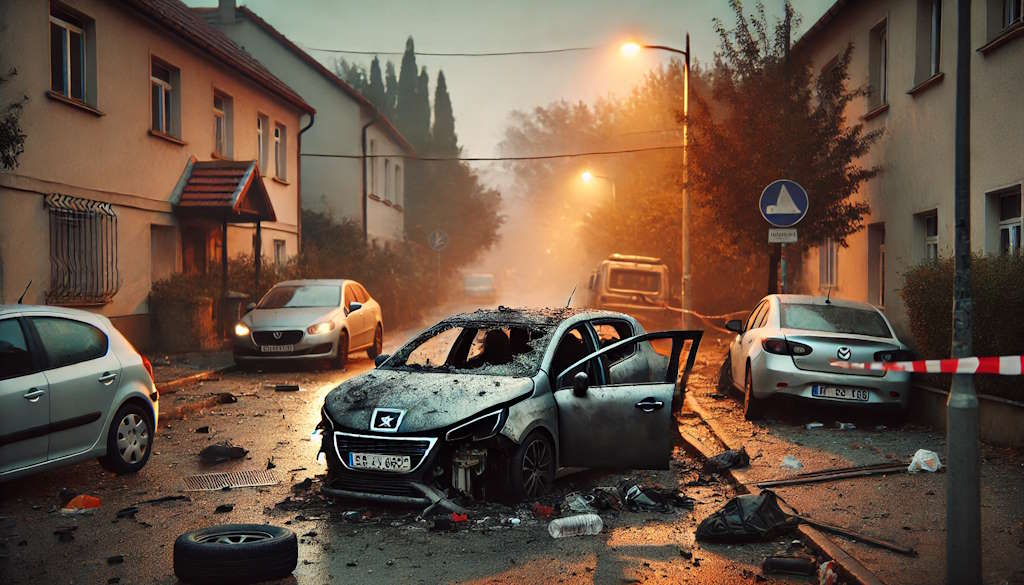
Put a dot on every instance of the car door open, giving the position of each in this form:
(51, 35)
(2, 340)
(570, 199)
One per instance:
(622, 425)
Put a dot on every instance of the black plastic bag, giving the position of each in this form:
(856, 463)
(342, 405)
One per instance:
(747, 518)
(729, 459)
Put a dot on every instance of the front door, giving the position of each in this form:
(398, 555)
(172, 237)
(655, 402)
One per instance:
(83, 375)
(357, 319)
(24, 401)
(622, 425)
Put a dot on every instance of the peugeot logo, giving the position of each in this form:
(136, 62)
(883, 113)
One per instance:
(844, 353)
(277, 335)
(386, 419)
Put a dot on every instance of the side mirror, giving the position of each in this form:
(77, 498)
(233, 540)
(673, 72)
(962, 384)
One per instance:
(735, 325)
(380, 359)
(250, 307)
(354, 306)
(580, 381)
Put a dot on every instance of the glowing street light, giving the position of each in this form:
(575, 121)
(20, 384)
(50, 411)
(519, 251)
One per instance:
(587, 176)
(629, 49)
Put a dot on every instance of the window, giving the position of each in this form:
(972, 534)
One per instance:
(164, 97)
(752, 317)
(361, 295)
(828, 261)
(222, 125)
(398, 184)
(1012, 11)
(280, 252)
(262, 138)
(1002, 15)
(67, 55)
(612, 332)
(280, 151)
(291, 296)
(387, 180)
(14, 357)
(1010, 224)
(834, 319)
(83, 251)
(372, 164)
(930, 232)
(68, 342)
(929, 39)
(878, 66)
(574, 346)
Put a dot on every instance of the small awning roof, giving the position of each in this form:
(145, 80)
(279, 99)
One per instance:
(231, 191)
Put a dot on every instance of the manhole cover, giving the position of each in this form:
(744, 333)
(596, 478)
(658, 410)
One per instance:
(232, 479)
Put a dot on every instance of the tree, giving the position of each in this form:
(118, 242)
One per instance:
(390, 91)
(445, 141)
(406, 106)
(419, 130)
(12, 139)
(375, 87)
(774, 119)
(352, 74)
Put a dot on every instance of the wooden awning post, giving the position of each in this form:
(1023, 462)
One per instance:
(258, 252)
(224, 276)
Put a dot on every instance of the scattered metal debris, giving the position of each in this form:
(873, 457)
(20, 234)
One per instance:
(286, 388)
(230, 479)
(833, 474)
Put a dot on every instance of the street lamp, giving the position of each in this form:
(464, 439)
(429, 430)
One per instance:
(630, 49)
(588, 176)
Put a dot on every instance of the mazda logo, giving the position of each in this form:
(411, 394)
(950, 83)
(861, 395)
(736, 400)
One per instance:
(277, 335)
(844, 353)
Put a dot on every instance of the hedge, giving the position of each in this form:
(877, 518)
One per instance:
(997, 292)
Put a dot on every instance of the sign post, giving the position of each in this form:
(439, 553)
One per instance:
(438, 239)
(783, 204)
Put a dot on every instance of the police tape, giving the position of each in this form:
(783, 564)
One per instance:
(1007, 365)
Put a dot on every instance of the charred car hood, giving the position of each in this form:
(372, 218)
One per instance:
(430, 400)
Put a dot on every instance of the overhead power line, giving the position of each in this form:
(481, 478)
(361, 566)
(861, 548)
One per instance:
(456, 54)
(497, 158)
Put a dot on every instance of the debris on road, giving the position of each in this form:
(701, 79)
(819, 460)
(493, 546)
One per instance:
(221, 452)
(270, 463)
(303, 485)
(791, 462)
(224, 508)
(827, 574)
(845, 426)
(115, 560)
(832, 474)
(579, 503)
(163, 499)
(81, 504)
(580, 525)
(924, 460)
(814, 425)
(222, 480)
(205, 429)
(747, 518)
(226, 398)
(730, 459)
(542, 511)
(790, 565)
(443, 524)
(257, 552)
(652, 499)
(458, 518)
(286, 388)
(128, 512)
(65, 533)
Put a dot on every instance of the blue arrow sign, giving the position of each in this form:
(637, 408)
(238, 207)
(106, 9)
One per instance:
(784, 203)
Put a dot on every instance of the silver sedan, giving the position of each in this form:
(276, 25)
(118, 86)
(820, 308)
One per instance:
(787, 344)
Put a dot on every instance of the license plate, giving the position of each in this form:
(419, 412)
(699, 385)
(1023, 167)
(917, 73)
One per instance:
(378, 462)
(840, 393)
(277, 348)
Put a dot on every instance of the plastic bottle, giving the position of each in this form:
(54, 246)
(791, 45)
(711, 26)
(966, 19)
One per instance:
(580, 525)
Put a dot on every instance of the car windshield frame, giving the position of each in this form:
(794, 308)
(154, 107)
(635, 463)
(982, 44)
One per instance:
(336, 302)
(845, 316)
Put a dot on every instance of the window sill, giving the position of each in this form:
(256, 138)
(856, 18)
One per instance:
(876, 112)
(166, 137)
(280, 181)
(1011, 32)
(59, 97)
(374, 197)
(930, 82)
(398, 207)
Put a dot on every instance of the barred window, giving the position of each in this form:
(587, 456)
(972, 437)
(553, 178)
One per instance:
(83, 251)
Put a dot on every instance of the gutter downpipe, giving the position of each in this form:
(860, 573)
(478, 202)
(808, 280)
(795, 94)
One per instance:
(366, 232)
(298, 184)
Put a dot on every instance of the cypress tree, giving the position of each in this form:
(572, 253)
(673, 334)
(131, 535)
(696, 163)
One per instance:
(407, 106)
(421, 133)
(375, 89)
(444, 140)
(390, 91)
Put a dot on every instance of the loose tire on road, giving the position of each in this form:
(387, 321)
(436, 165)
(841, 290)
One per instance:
(342, 358)
(752, 407)
(532, 468)
(235, 553)
(378, 344)
(129, 439)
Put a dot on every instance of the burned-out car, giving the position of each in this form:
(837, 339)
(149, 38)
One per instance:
(491, 403)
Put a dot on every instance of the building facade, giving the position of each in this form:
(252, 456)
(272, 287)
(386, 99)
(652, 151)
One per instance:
(347, 124)
(151, 139)
(905, 51)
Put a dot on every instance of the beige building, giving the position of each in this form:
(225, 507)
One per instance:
(150, 135)
(369, 192)
(905, 50)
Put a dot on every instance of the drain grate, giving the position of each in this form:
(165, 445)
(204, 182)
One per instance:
(232, 479)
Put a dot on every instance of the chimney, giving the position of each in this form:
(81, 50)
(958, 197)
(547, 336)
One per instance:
(226, 11)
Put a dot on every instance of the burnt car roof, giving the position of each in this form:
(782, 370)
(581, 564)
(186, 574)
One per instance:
(523, 316)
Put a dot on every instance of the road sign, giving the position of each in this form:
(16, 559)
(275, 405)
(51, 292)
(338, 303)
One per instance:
(783, 203)
(438, 240)
(781, 235)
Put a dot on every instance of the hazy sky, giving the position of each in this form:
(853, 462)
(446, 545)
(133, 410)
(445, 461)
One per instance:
(485, 89)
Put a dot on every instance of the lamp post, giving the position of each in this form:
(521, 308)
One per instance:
(588, 176)
(629, 50)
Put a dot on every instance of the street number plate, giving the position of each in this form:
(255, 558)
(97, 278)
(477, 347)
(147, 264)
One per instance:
(277, 348)
(378, 462)
(840, 393)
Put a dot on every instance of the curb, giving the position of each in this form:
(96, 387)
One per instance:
(849, 567)
(172, 386)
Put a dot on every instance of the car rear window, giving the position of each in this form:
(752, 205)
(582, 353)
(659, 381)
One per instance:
(300, 296)
(834, 319)
(628, 279)
(485, 349)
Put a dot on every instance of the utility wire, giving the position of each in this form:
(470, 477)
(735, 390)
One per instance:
(456, 54)
(496, 158)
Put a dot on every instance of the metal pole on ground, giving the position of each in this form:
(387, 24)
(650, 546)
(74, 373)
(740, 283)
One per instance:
(963, 484)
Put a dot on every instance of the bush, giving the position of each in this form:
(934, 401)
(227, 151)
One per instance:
(998, 299)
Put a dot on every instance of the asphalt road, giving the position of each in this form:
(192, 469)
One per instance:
(386, 545)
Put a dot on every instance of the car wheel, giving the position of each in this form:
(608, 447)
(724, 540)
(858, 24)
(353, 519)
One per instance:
(725, 375)
(752, 407)
(129, 439)
(342, 358)
(378, 344)
(235, 553)
(532, 467)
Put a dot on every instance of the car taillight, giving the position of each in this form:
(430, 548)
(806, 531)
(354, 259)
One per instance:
(894, 355)
(783, 347)
(149, 368)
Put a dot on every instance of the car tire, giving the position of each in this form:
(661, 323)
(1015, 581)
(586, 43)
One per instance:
(235, 553)
(752, 407)
(532, 468)
(378, 344)
(342, 358)
(129, 439)
(725, 383)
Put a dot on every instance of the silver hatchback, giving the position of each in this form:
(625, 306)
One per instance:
(71, 388)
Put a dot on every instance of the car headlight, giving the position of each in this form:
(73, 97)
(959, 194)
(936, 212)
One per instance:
(241, 329)
(321, 328)
(480, 428)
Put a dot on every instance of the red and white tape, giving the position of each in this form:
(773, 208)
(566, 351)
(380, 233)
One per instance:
(1007, 365)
